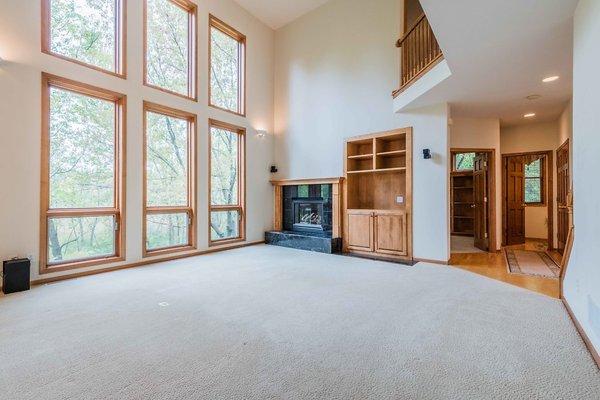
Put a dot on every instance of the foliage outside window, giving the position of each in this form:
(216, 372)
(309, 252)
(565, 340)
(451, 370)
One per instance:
(85, 31)
(81, 189)
(226, 182)
(168, 176)
(227, 67)
(170, 51)
(464, 161)
(534, 182)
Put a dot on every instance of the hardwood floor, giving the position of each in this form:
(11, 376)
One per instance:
(493, 265)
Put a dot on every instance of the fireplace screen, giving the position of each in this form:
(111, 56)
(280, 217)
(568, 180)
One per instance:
(308, 214)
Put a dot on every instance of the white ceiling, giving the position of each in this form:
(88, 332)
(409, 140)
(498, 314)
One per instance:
(498, 52)
(277, 13)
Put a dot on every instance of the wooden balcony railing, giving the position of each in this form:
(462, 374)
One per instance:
(420, 52)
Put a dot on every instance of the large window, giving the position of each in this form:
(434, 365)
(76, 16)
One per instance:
(169, 176)
(82, 153)
(534, 182)
(170, 46)
(88, 32)
(227, 67)
(227, 204)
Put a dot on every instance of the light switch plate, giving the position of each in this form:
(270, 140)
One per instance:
(400, 199)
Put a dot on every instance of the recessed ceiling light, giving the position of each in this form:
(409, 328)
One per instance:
(530, 115)
(533, 97)
(551, 79)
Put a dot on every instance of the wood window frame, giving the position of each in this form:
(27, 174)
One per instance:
(118, 211)
(120, 56)
(542, 178)
(214, 22)
(241, 206)
(190, 208)
(454, 154)
(192, 10)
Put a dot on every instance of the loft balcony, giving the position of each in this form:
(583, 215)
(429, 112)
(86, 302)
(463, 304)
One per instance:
(420, 52)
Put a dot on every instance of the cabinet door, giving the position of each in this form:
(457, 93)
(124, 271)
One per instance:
(390, 234)
(360, 231)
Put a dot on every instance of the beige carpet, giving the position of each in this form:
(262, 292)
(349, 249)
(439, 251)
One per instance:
(535, 263)
(275, 323)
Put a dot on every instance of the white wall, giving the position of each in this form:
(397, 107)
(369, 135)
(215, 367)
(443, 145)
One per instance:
(20, 116)
(481, 133)
(335, 71)
(582, 281)
(542, 136)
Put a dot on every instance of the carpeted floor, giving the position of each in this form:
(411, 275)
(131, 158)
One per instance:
(274, 323)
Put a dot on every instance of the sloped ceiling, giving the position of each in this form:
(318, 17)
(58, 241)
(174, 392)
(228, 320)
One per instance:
(277, 13)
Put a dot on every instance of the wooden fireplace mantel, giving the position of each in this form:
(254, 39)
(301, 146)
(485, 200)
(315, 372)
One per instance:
(336, 198)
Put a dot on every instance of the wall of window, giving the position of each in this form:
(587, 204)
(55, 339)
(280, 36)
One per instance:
(169, 180)
(82, 178)
(89, 230)
(226, 182)
(170, 50)
(227, 69)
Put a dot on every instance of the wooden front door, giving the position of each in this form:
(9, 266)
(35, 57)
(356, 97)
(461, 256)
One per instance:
(564, 187)
(514, 219)
(480, 199)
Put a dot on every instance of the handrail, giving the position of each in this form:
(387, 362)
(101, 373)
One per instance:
(420, 52)
(409, 31)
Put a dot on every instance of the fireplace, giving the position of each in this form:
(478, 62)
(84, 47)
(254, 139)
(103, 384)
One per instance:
(308, 215)
(305, 217)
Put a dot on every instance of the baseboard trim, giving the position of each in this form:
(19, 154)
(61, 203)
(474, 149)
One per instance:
(143, 263)
(440, 262)
(584, 336)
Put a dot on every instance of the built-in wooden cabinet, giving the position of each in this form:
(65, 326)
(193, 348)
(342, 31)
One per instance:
(378, 195)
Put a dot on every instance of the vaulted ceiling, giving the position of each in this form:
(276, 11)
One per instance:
(277, 13)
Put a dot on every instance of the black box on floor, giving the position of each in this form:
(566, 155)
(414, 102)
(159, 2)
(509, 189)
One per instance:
(15, 275)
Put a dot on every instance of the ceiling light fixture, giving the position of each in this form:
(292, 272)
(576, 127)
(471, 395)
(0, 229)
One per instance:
(551, 79)
(530, 115)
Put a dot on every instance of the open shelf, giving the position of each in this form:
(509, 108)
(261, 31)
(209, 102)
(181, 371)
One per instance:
(391, 153)
(365, 171)
(391, 143)
(361, 157)
(362, 147)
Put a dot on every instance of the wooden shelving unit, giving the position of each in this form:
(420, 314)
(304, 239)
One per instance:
(462, 209)
(378, 195)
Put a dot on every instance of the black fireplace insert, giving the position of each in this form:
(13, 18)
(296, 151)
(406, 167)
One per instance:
(308, 215)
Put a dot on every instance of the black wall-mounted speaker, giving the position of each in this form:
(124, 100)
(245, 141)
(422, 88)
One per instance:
(15, 275)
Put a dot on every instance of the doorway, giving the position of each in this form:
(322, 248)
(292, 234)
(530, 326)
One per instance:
(528, 206)
(472, 200)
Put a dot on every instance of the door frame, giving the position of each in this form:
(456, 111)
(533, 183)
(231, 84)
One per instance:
(493, 245)
(549, 154)
(566, 145)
